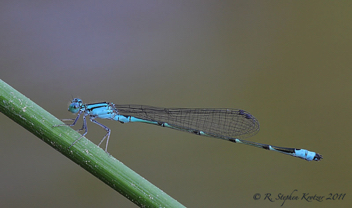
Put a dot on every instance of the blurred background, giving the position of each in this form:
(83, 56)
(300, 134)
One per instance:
(287, 63)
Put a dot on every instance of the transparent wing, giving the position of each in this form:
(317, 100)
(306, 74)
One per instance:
(223, 123)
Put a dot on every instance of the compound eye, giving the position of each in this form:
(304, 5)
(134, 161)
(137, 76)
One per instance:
(74, 107)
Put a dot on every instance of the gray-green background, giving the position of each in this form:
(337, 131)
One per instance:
(286, 62)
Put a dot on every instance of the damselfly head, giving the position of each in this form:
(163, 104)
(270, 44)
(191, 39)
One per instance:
(75, 105)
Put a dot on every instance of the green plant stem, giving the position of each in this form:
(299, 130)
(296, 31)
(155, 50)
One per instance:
(85, 153)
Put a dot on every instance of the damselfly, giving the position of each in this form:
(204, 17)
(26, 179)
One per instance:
(228, 124)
